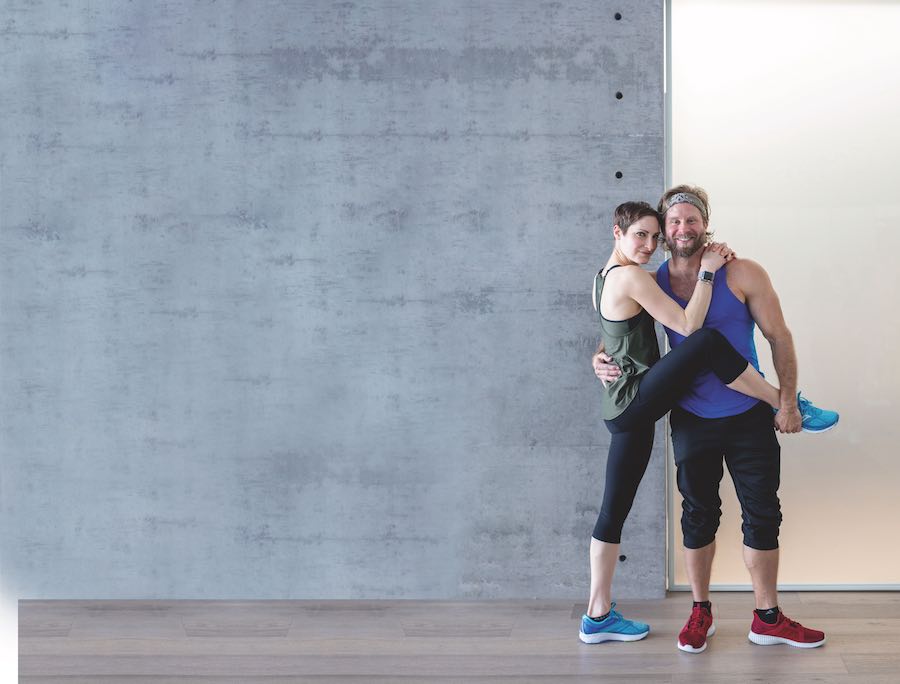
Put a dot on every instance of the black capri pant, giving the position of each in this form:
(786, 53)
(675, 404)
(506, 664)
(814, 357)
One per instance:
(753, 457)
(632, 431)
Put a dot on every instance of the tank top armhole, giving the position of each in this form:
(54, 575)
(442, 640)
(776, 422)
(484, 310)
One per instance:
(597, 277)
(630, 320)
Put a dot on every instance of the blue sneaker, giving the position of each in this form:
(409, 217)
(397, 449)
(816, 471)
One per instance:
(613, 628)
(814, 418)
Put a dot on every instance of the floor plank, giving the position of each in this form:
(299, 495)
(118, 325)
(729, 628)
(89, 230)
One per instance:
(193, 642)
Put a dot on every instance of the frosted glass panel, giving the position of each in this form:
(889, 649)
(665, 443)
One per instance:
(788, 113)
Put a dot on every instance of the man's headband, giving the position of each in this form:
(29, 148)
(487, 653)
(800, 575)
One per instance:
(687, 198)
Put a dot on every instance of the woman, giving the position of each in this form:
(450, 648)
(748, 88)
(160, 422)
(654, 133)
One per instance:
(628, 300)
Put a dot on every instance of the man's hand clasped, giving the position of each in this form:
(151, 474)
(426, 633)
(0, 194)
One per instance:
(604, 368)
(788, 420)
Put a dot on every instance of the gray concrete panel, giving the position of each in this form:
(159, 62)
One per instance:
(294, 298)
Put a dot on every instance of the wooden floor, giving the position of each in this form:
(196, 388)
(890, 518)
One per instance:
(255, 642)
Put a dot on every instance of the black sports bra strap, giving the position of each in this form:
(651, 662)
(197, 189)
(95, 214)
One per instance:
(610, 269)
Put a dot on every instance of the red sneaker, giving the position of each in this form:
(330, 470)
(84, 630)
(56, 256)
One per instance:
(699, 626)
(784, 631)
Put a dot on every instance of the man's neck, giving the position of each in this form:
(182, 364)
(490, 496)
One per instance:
(685, 266)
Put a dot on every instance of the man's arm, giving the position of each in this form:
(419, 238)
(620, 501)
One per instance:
(762, 300)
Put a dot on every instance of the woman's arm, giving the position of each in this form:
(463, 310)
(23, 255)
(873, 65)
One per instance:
(642, 288)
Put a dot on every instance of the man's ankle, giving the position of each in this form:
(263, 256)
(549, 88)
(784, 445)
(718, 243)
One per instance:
(768, 615)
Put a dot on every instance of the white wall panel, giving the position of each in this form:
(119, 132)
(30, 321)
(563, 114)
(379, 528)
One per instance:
(787, 114)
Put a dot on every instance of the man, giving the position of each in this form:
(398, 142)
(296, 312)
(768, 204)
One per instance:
(713, 424)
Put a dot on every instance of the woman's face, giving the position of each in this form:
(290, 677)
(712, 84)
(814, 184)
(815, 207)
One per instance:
(639, 242)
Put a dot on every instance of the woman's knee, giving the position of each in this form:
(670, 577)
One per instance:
(707, 337)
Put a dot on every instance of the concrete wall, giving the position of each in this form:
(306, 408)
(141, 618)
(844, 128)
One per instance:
(295, 296)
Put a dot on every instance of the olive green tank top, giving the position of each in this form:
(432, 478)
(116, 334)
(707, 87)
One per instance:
(633, 346)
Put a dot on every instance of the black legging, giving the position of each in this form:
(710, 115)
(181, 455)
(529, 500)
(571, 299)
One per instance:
(632, 431)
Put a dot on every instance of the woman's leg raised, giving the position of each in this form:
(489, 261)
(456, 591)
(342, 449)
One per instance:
(673, 374)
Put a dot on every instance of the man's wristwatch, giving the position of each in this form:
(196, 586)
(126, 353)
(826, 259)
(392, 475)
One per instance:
(706, 276)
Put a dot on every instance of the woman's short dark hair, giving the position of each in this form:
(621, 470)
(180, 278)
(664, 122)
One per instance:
(629, 212)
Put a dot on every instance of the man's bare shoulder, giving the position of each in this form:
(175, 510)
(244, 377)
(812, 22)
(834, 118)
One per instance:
(746, 277)
(742, 270)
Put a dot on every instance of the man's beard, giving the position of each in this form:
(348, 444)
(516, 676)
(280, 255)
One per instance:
(685, 249)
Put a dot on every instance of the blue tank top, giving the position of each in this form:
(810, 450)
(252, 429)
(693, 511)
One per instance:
(708, 397)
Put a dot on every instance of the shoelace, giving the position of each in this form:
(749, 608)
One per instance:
(806, 407)
(696, 620)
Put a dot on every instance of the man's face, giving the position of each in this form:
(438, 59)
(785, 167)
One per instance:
(685, 230)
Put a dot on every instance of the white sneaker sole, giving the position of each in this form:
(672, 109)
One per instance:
(687, 648)
(816, 432)
(609, 636)
(766, 640)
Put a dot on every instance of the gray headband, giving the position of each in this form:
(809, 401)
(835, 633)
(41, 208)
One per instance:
(687, 198)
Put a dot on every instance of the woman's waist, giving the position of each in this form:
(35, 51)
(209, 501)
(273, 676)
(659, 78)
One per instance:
(634, 364)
